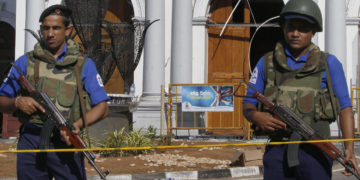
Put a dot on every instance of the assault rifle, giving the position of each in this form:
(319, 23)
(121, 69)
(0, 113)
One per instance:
(53, 114)
(304, 129)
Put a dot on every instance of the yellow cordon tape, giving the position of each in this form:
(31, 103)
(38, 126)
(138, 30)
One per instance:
(173, 147)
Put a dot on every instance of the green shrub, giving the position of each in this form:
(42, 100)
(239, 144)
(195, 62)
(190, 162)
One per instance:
(114, 139)
(151, 132)
(136, 139)
(164, 140)
(131, 139)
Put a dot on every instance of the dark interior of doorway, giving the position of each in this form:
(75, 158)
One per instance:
(7, 47)
(266, 37)
(7, 52)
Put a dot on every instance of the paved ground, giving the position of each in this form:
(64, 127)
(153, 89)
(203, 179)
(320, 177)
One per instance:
(252, 172)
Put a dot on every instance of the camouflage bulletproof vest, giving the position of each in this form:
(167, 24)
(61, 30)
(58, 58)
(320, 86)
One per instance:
(300, 89)
(57, 80)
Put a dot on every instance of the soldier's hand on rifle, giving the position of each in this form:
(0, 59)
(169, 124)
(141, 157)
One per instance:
(264, 120)
(66, 136)
(28, 105)
(267, 122)
(350, 158)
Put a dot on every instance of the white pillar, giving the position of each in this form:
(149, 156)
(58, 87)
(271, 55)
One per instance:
(315, 39)
(335, 30)
(335, 38)
(154, 55)
(20, 26)
(34, 8)
(200, 55)
(200, 38)
(181, 43)
(148, 110)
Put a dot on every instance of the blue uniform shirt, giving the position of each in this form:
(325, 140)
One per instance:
(90, 78)
(337, 75)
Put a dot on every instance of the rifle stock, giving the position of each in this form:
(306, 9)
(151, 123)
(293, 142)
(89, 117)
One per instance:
(304, 129)
(53, 114)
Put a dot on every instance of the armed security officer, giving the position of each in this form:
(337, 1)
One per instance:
(295, 74)
(50, 69)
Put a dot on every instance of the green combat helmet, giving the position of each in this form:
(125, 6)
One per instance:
(303, 7)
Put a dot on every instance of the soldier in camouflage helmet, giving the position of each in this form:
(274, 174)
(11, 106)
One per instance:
(50, 69)
(299, 75)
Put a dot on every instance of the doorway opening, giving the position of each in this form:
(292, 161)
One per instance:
(267, 36)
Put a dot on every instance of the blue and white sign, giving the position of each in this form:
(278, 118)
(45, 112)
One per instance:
(215, 98)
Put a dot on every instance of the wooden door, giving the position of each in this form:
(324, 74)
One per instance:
(228, 63)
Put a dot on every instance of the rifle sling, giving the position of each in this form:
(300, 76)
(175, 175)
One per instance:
(331, 91)
(82, 103)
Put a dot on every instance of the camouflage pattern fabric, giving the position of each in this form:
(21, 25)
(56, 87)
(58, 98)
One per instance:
(299, 89)
(57, 80)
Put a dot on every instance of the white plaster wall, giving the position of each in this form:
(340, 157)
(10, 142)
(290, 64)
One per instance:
(138, 76)
(49, 3)
(167, 63)
(20, 26)
(200, 41)
(199, 54)
(351, 53)
(352, 34)
(139, 8)
(201, 8)
(139, 13)
(321, 35)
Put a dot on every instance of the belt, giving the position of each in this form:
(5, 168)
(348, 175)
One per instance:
(280, 136)
(36, 130)
(30, 129)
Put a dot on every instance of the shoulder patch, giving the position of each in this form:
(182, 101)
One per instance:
(5, 79)
(254, 76)
(8, 75)
(100, 82)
